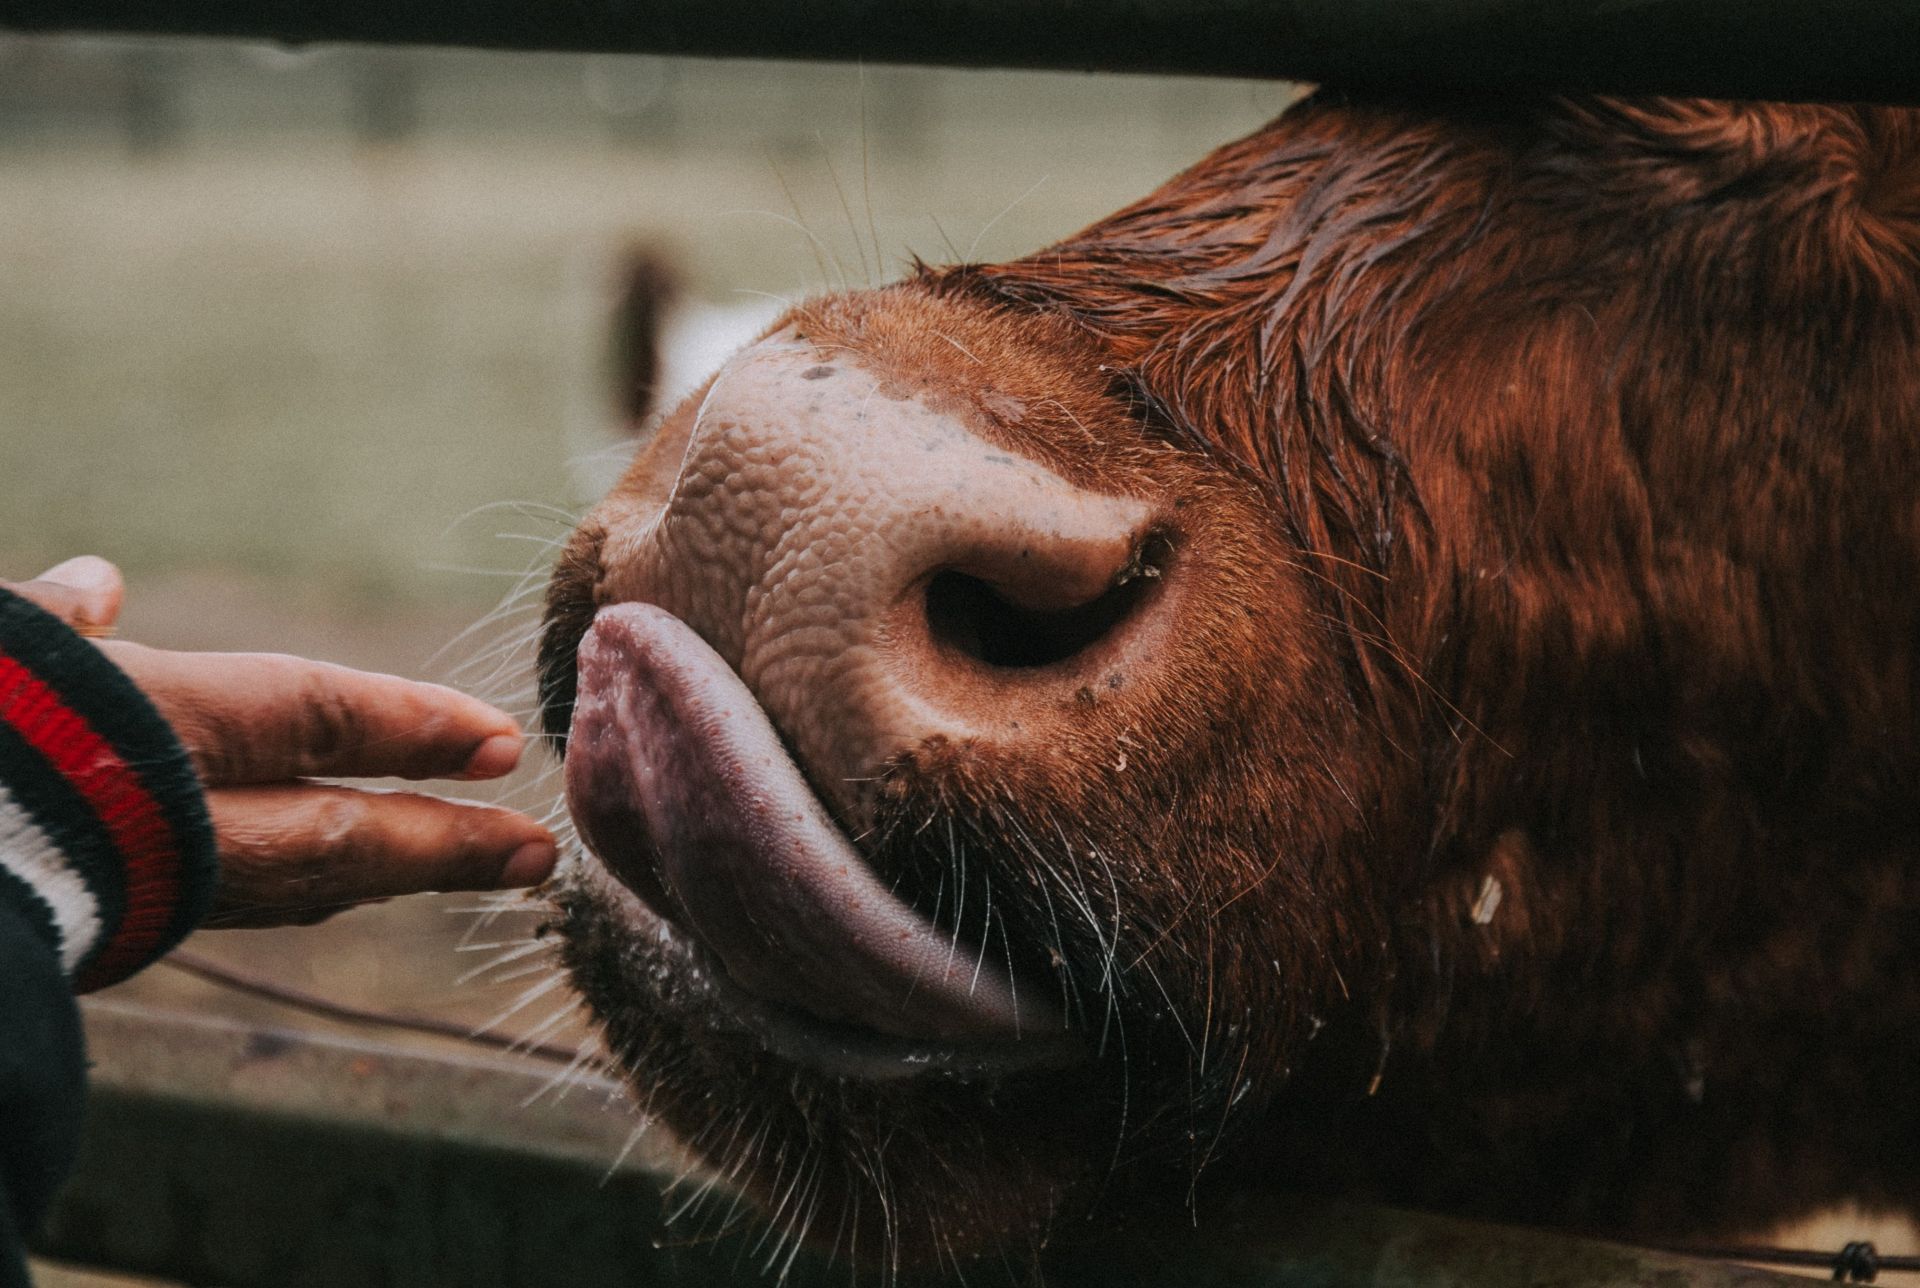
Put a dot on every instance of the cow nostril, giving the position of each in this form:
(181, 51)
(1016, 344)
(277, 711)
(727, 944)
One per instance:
(967, 615)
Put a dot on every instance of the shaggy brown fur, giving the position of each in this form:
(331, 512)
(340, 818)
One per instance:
(1531, 825)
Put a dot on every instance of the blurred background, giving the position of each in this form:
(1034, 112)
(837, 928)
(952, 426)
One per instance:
(285, 319)
(316, 344)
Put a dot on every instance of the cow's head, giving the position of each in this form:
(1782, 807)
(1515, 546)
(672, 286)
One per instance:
(1011, 712)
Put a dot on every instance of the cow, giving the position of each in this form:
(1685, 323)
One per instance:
(1387, 667)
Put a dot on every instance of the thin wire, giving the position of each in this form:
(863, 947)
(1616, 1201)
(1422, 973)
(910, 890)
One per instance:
(327, 1008)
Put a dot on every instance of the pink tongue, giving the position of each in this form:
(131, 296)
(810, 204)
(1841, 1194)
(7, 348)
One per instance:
(681, 787)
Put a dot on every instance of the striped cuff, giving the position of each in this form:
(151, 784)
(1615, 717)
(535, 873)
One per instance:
(105, 843)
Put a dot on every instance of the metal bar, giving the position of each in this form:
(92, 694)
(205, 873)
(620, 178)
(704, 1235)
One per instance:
(1834, 49)
(250, 1157)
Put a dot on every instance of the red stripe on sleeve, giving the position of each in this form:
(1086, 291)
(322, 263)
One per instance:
(131, 815)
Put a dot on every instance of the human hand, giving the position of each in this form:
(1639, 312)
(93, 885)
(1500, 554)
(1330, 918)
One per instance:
(260, 726)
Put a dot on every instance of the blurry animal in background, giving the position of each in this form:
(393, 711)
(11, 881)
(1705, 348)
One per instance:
(647, 289)
(1387, 667)
(664, 343)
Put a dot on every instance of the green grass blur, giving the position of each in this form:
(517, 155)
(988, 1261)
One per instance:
(308, 320)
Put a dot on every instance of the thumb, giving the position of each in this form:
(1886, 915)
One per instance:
(84, 592)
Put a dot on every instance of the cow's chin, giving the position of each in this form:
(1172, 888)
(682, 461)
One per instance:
(665, 969)
(860, 1145)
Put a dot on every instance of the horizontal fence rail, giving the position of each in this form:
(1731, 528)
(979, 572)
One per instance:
(1819, 49)
(254, 1157)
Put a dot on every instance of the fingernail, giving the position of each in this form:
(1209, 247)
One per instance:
(531, 864)
(83, 572)
(494, 757)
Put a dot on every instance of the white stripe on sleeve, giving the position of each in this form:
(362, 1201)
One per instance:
(31, 855)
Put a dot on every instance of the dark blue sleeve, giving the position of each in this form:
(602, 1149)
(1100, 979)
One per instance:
(107, 859)
(42, 1083)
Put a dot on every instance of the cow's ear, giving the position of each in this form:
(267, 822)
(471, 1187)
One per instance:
(646, 288)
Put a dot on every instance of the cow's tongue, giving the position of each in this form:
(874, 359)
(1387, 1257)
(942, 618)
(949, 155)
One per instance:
(682, 788)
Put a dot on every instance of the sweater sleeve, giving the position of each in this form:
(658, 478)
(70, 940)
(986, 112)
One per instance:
(107, 860)
(105, 844)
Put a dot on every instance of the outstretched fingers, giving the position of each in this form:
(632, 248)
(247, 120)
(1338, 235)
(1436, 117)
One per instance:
(294, 853)
(258, 726)
(266, 717)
